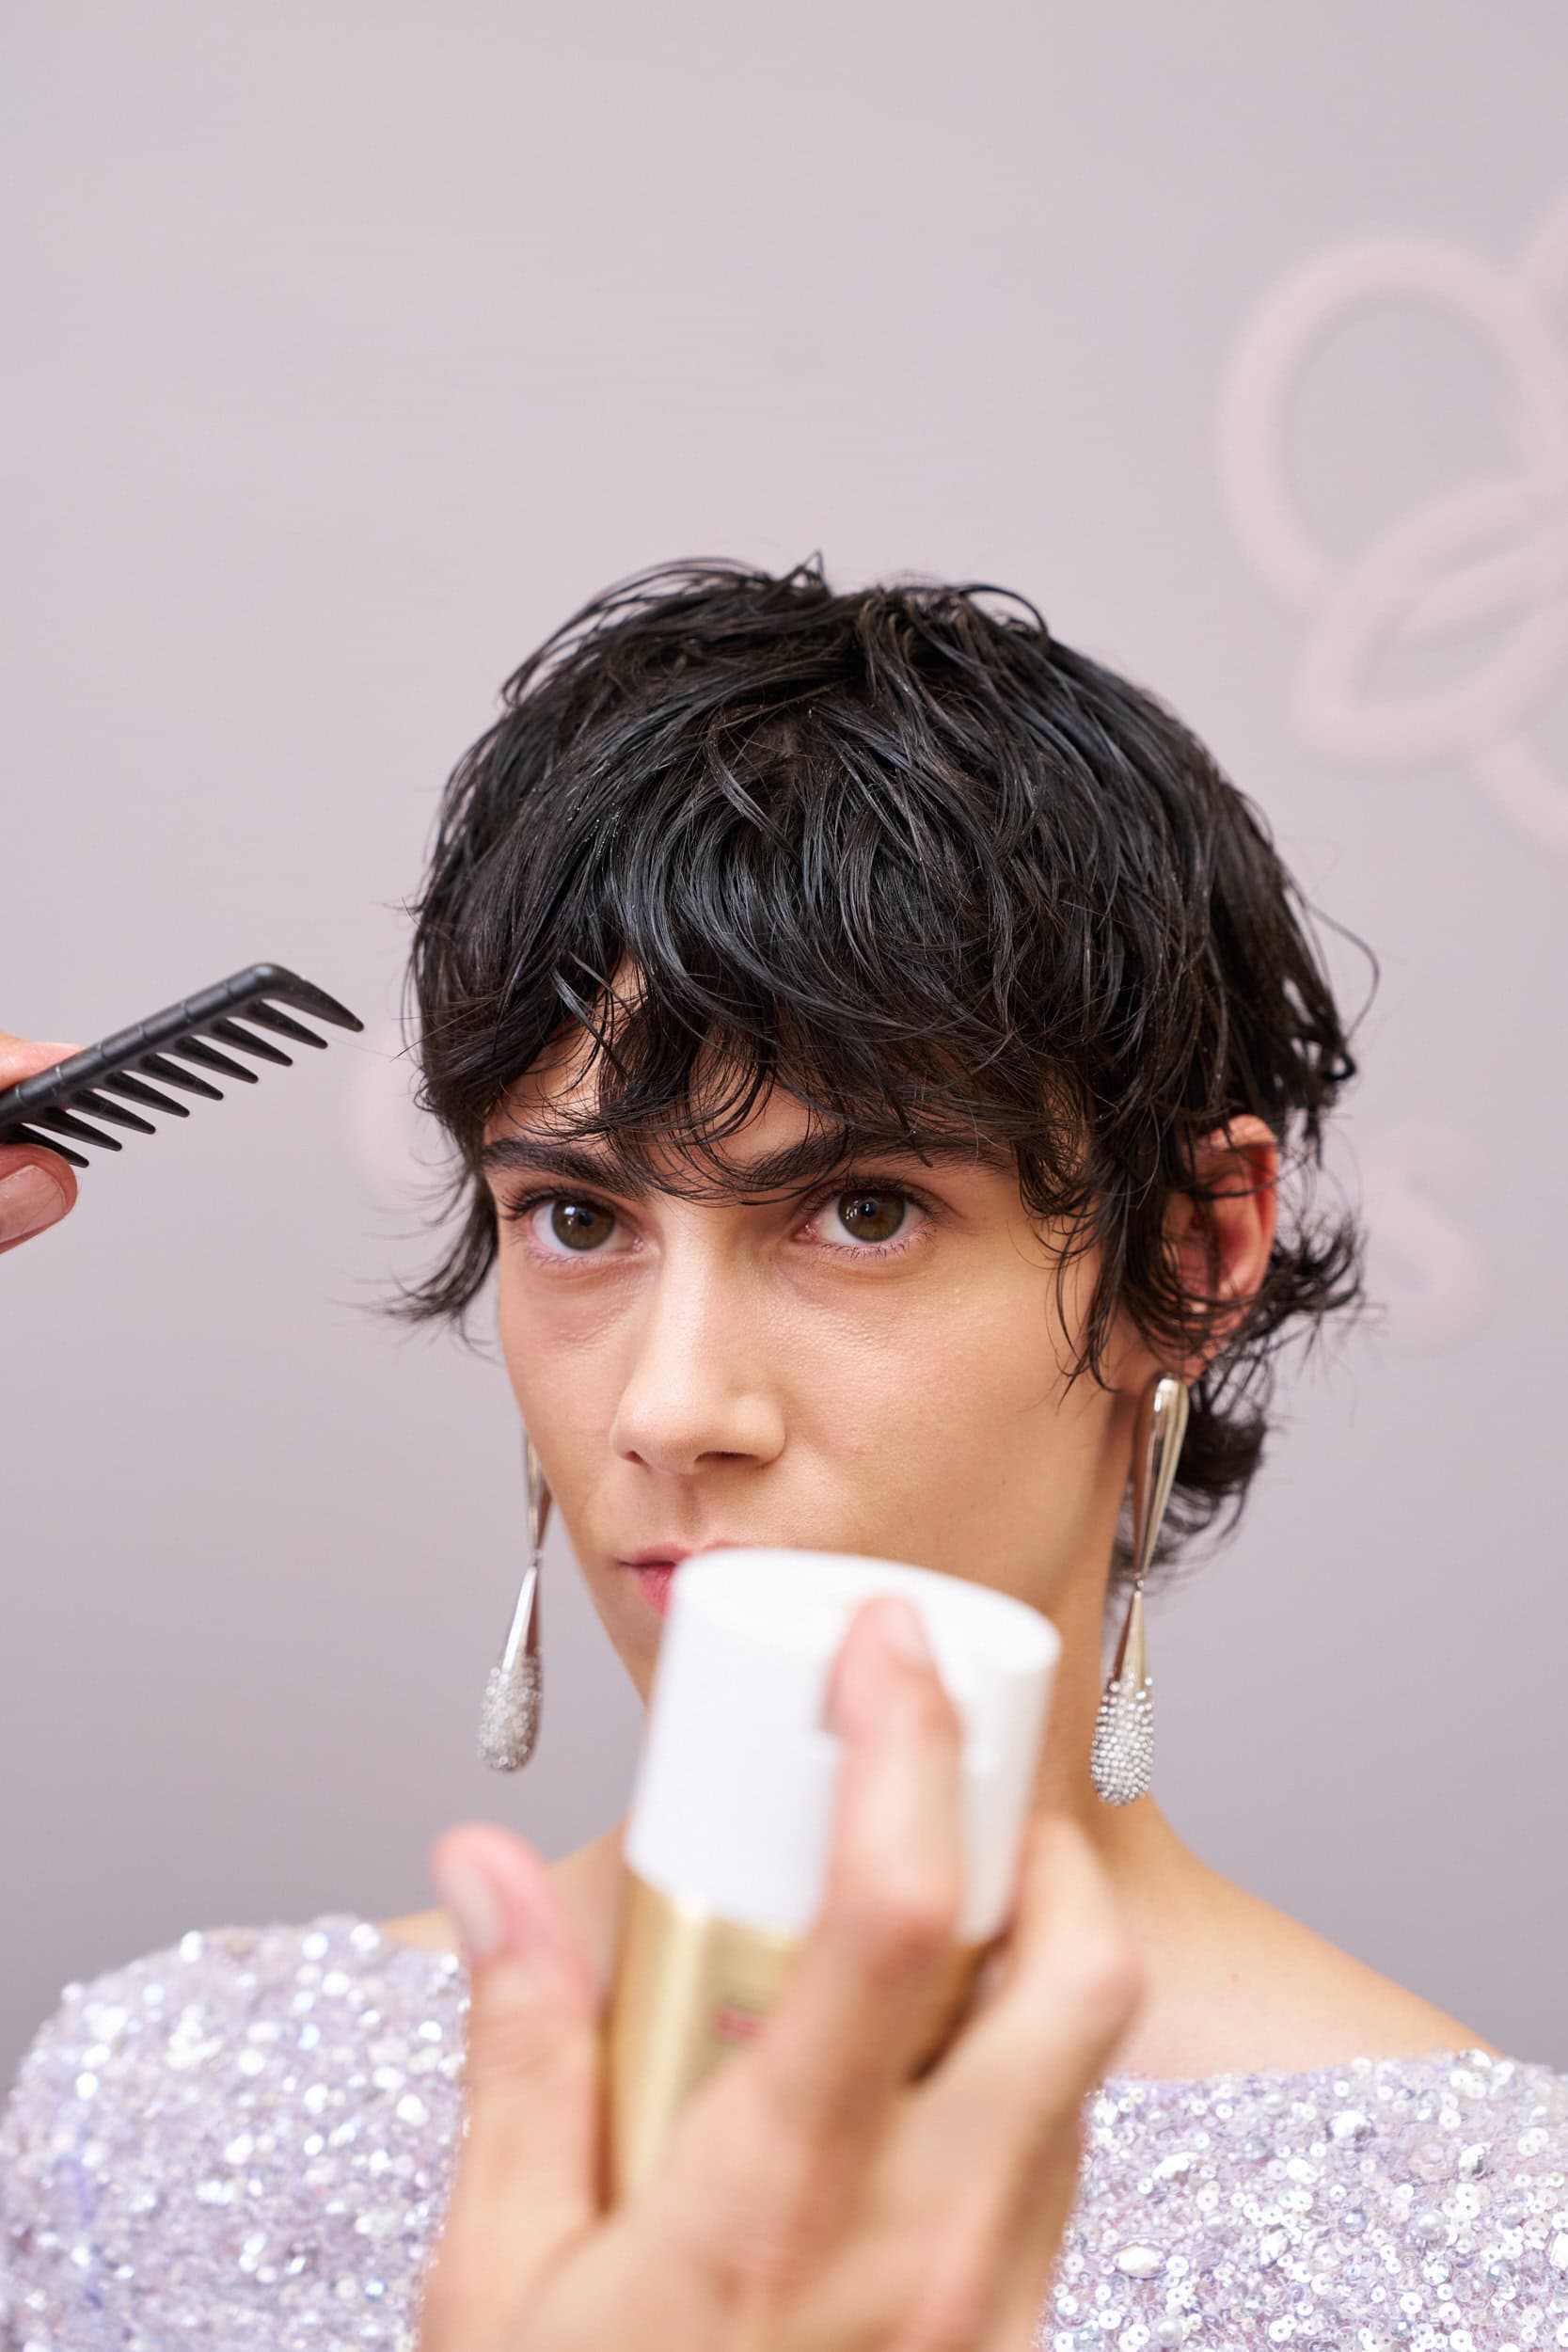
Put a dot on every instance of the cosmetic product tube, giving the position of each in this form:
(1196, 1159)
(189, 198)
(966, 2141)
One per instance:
(730, 1829)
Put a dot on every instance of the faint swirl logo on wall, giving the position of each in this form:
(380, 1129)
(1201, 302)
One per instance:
(1477, 572)
(1429, 1268)
(1488, 555)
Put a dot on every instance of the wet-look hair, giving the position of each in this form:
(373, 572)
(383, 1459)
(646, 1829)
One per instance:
(903, 853)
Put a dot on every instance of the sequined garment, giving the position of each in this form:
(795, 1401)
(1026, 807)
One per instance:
(247, 2140)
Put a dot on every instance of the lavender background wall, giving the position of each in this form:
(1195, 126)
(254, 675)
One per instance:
(349, 347)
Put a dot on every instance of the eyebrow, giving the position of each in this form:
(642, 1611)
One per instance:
(793, 1167)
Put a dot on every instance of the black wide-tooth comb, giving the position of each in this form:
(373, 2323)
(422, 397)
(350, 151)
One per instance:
(157, 1047)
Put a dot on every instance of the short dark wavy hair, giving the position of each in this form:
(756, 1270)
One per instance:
(904, 853)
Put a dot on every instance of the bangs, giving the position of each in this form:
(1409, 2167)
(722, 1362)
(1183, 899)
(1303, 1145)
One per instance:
(781, 907)
(661, 1105)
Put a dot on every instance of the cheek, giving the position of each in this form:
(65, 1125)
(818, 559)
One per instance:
(959, 1376)
(563, 1359)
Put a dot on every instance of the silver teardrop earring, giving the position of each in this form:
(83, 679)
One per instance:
(1122, 1758)
(509, 1720)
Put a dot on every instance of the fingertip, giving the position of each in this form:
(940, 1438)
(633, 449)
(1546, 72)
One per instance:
(65, 1176)
(884, 1640)
(517, 1868)
(502, 1900)
(37, 1189)
(902, 1631)
(471, 1900)
(842, 1699)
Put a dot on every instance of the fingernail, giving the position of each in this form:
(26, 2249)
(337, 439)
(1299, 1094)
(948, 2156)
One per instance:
(475, 1905)
(903, 1631)
(29, 1201)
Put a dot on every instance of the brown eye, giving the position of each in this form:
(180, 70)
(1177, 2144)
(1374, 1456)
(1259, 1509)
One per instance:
(871, 1216)
(579, 1223)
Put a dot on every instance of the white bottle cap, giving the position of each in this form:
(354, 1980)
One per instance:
(734, 1804)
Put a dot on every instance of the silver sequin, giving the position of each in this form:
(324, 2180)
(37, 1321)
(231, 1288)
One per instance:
(246, 2140)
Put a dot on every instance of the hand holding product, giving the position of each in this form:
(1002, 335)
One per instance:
(103, 1078)
(826, 2187)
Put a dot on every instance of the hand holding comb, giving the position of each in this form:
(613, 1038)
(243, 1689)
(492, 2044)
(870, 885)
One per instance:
(102, 1079)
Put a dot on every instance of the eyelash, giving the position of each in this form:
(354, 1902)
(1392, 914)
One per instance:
(517, 1212)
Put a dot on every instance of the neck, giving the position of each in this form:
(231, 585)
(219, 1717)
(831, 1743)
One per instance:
(1142, 1855)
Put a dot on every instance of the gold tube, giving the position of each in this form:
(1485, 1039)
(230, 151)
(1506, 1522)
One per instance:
(688, 1989)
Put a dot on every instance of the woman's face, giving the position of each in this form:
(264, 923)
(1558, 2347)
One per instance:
(876, 1365)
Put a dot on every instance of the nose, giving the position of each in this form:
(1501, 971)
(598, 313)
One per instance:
(696, 1389)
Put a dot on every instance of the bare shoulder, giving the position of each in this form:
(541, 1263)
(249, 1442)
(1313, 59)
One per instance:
(1258, 1990)
(1361, 2013)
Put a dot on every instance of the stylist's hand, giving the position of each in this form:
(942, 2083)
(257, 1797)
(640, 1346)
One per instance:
(809, 2198)
(37, 1186)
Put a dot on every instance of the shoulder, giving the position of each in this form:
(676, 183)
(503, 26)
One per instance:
(194, 2129)
(1251, 1988)
(1357, 2008)
(1350, 2203)
(1459, 2166)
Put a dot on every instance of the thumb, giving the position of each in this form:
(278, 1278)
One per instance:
(37, 1186)
(528, 2173)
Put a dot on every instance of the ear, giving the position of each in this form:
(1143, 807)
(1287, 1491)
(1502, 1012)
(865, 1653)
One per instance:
(1223, 1244)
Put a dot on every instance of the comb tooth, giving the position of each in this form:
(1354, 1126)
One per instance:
(25, 1134)
(100, 1107)
(261, 1047)
(132, 1087)
(193, 1050)
(270, 1018)
(159, 1066)
(312, 999)
(64, 1124)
